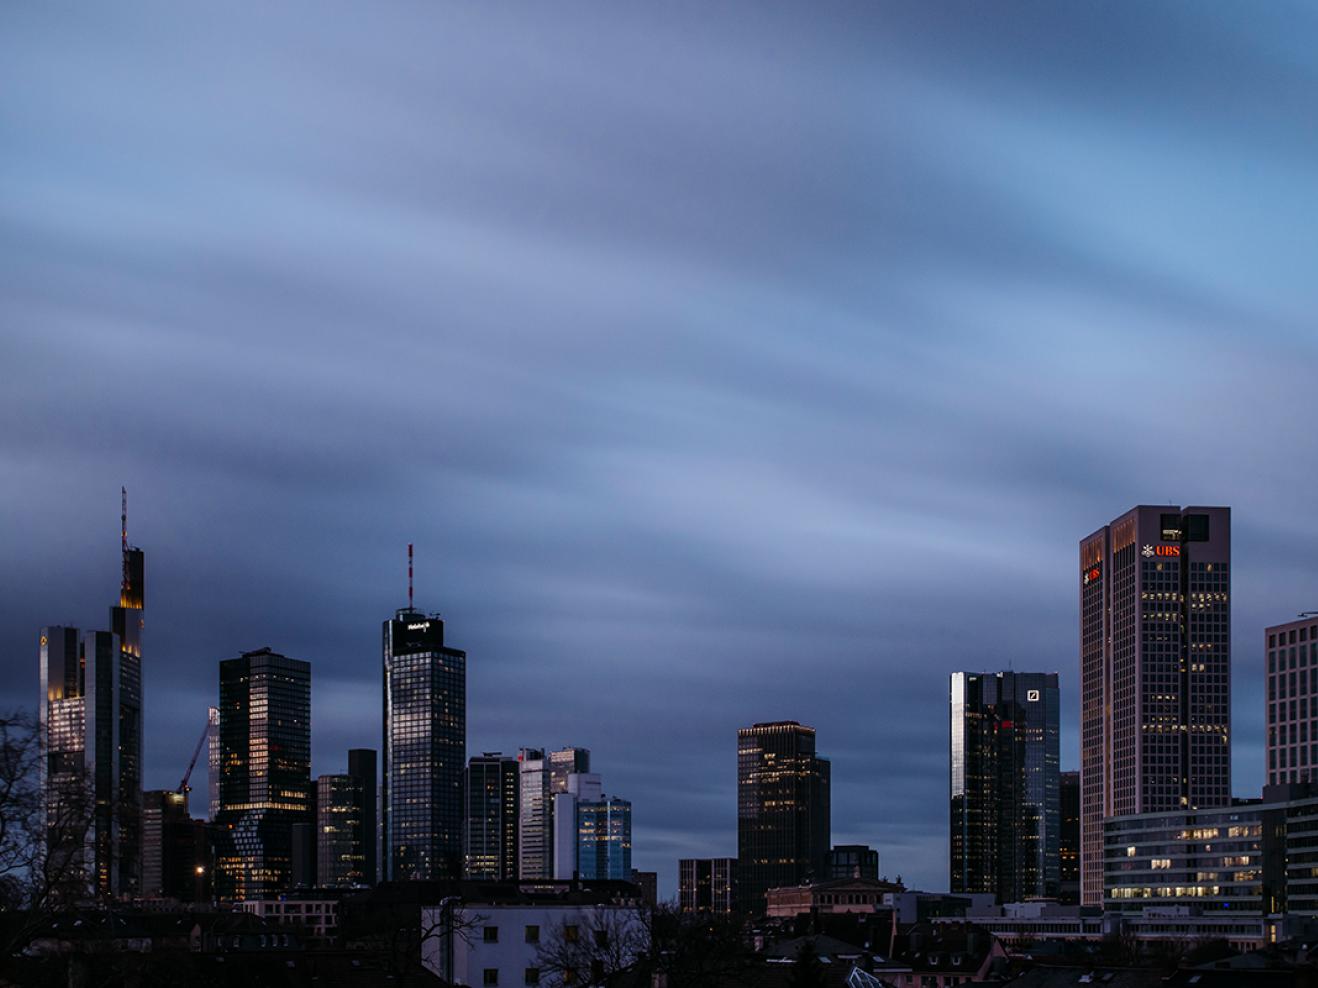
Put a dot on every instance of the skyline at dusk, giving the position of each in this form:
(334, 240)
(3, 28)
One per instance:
(722, 369)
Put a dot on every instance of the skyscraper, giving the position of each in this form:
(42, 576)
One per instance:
(425, 748)
(1005, 810)
(265, 788)
(171, 848)
(213, 762)
(90, 723)
(1069, 846)
(535, 852)
(493, 787)
(604, 838)
(362, 767)
(579, 788)
(126, 623)
(542, 778)
(782, 810)
(340, 831)
(1292, 701)
(1155, 670)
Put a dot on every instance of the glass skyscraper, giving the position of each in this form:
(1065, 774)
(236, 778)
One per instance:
(604, 839)
(1005, 797)
(265, 785)
(90, 722)
(1155, 670)
(783, 819)
(493, 789)
(425, 748)
(340, 831)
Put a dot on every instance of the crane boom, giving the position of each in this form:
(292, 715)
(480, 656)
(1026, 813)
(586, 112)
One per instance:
(183, 786)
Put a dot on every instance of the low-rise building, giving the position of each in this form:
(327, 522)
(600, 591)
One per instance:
(846, 895)
(315, 912)
(506, 933)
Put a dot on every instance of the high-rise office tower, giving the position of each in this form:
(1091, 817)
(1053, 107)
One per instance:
(578, 788)
(707, 885)
(493, 788)
(1005, 813)
(81, 687)
(542, 777)
(90, 722)
(362, 767)
(782, 810)
(126, 623)
(425, 747)
(535, 852)
(340, 831)
(265, 788)
(1292, 701)
(1069, 844)
(1155, 670)
(604, 838)
(213, 763)
(170, 852)
(565, 762)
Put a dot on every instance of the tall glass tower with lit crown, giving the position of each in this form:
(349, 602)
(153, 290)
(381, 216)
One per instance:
(425, 748)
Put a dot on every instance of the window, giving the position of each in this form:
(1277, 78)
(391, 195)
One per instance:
(532, 976)
(571, 934)
(491, 976)
(491, 934)
(532, 936)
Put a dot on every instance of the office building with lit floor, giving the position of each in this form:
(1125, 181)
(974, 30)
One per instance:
(1155, 671)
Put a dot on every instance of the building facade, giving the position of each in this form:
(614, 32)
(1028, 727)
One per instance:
(493, 803)
(425, 748)
(1292, 703)
(173, 848)
(852, 861)
(1155, 670)
(212, 762)
(340, 838)
(90, 728)
(1069, 844)
(707, 885)
(362, 767)
(604, 839)
(265, 785)
(1005, 809)
(783, 821)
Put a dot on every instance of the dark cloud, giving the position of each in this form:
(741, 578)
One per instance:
(725, 364)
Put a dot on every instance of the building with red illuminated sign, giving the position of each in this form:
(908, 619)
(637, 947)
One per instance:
(1155, 670)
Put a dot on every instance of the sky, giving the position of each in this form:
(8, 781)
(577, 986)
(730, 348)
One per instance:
(725, 363)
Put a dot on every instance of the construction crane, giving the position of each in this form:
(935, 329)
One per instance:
(183, 787)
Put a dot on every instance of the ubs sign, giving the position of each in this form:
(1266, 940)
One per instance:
(1149, 551)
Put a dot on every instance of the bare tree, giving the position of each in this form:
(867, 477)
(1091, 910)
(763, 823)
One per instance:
(43, 841)
(596, 945)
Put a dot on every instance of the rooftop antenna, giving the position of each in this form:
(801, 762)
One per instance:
(1307, 614)
(409, 576)
(123, 533)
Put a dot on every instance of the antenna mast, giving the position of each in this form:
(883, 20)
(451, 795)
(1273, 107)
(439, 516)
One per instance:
(123, 533)
(409, 576)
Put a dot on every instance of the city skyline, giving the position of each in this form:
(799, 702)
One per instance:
(731, 368)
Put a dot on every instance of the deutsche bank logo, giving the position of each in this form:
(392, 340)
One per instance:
(1032, 696)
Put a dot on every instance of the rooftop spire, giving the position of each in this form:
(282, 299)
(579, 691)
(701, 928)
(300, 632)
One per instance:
(123, 536)
(409, 576)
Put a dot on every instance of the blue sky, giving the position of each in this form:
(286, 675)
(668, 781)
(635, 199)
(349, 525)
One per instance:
(724, 364)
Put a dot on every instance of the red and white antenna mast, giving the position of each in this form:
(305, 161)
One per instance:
(409, 576)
